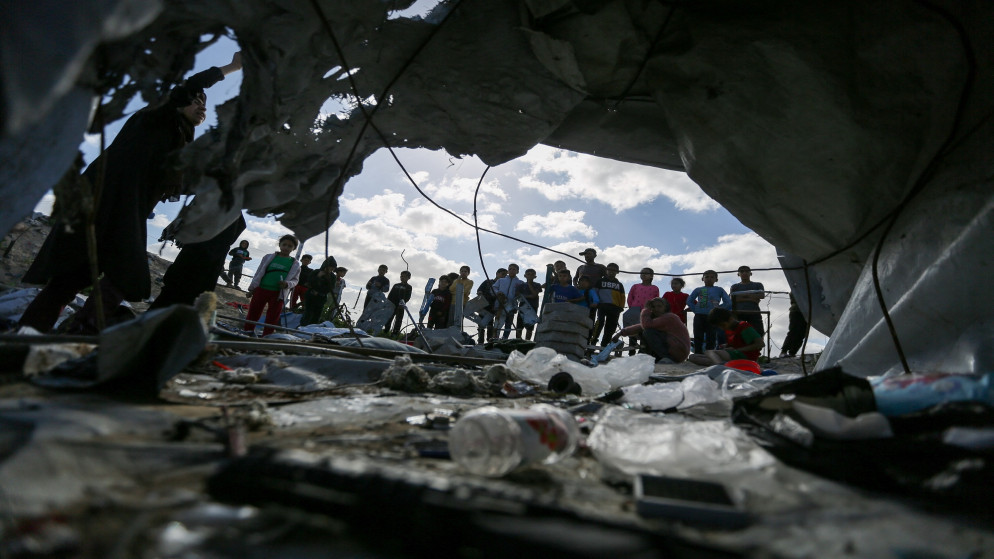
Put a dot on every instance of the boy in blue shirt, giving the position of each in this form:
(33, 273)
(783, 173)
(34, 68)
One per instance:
(590, 298)
(701, 301)
(564, 292)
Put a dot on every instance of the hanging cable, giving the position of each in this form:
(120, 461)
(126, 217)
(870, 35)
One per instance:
(888, 219)
(925, 175)
(476, 223)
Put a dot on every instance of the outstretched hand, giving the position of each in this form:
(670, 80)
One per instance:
(234, 65)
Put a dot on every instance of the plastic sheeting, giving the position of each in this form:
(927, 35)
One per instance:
(813, 124)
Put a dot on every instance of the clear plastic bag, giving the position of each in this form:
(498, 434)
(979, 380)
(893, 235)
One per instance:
(540, 364)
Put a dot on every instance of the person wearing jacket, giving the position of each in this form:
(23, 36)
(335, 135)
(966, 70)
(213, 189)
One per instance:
(131, 176)
(274, 280)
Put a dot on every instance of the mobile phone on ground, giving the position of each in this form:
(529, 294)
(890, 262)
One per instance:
(692, 501)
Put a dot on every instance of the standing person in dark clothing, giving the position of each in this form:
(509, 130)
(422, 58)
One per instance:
(797, 330)
(132, 175)
(612, 295)
(438, 312)
(486, 291)
(399, 295)
(592, 271)
(197, 267)
(239, 256)
(320, 283)
(380, 281)
(746, 296)
(305, 277)
(530, 290)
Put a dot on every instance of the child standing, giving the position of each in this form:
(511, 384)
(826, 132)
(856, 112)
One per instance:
(590, 299)
(702, 301)
(637, 298)
(487, 292)
(305, 277)
(465, 282)
(335, 299)
(379, 281)
(438, 312)
(530, 290)
(564, 292)
(746, 305)
(321, 283)
(612, 295)
(399, 295)
(239, 256)
(277, 275)
(504, 290)
(677, 299)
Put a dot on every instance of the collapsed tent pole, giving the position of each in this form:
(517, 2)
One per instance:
(418, 328)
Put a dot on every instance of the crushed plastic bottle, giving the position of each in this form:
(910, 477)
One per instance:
(902, 394)
(541, 364)
(493, 442)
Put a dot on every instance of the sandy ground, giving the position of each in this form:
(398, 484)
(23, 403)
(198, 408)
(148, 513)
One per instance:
(22, 243)
(109, 474)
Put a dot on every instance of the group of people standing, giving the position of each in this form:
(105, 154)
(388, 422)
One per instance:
(660, 322)
(731, 322)
(280, 277)
(138, 169)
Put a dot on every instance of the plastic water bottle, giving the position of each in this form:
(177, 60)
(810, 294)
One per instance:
(902, 394)
(492, 442)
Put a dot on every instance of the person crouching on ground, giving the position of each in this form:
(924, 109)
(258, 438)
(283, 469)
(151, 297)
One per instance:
(275, 278)
(744, 342)
(665, 336)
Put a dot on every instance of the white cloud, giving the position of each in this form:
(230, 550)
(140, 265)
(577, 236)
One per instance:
(160, 220)
(558, 175)
(463, 189)
(387, 204)
(417, 221)
(46, 203)
(558, 225)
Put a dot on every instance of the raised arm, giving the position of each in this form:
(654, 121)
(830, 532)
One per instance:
(233, 66)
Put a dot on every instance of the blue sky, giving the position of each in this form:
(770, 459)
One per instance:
(633, 215)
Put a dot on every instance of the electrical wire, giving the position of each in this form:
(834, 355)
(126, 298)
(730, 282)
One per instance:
(476, 223)
(926, 174)
(889, 219)
(355, 91)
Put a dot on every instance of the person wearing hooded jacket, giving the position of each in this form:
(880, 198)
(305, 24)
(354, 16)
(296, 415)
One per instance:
(272, 283)
(130, 177)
